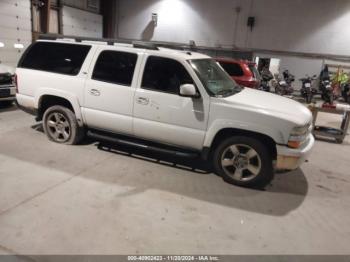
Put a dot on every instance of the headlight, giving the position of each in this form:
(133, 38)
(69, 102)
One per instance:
(298, 136)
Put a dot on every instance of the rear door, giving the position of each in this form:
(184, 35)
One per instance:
(109, 91)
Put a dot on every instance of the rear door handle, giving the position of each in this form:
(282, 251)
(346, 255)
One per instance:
(142, 100)
(95, 92)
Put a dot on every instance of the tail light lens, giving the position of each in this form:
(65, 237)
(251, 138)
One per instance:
(15, 82)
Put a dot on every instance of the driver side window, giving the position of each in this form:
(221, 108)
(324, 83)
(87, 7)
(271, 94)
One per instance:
(165, 75)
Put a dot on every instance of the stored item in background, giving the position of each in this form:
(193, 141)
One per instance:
(328, 132)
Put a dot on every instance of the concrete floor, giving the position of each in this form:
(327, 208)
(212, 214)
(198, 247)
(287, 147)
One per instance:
(58, 199)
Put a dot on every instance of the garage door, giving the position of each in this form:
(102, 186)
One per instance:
(81, 23)
(15, 30)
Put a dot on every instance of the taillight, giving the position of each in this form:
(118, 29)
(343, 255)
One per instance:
(15, 82)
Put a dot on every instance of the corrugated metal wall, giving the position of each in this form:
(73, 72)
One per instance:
(81, 23)
(15, 28)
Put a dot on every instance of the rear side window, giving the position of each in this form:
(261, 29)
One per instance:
(55, 57)
(115, 67)
(165, 75)
(232, 69)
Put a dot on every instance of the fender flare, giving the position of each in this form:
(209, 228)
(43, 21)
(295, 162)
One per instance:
(71, 98)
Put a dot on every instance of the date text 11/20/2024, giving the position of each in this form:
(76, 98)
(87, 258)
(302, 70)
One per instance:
(174, 258)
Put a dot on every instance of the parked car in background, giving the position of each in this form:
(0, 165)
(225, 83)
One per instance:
(243, 72)
(7, 88)
(174, 102)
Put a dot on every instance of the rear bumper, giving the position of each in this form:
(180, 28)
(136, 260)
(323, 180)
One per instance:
(26, 104)
(291, 159)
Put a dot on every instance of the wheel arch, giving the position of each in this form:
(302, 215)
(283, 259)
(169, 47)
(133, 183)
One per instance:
(229, 132)
(48, 99)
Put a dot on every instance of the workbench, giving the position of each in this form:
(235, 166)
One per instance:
(328, 132)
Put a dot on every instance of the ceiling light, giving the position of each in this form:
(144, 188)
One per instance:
(18, 46)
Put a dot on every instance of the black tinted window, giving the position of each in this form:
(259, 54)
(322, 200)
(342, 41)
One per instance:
(232, 69)
(115, 67)
(165, 75)
(55, 57)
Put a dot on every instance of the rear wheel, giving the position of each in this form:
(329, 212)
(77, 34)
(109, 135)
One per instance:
(244, 161)
(61, 126)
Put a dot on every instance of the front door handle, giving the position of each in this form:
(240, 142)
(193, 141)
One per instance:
(142, 100)
(95, 92)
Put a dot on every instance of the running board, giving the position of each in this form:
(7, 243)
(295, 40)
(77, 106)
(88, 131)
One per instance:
(120, 141)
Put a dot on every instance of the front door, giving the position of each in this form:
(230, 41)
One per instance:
(161, 114)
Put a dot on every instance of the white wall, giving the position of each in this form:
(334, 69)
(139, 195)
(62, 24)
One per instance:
(81, 23)
(312, 26)
(15, 27)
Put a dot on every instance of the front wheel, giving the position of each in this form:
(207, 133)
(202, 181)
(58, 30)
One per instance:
(244, 161)
(61, 126)
(309, 98)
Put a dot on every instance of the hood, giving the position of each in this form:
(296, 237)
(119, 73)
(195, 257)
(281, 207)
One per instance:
(6, 69)
(271, 104)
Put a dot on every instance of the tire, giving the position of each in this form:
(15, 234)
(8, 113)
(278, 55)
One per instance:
(309, 98)
(278, 91)
(331, 99)
(232, 163)
(61, 126)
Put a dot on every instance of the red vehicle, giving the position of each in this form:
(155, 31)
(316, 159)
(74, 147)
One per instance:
(243, 72)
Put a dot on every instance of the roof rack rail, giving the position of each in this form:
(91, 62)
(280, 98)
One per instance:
(78, 39)
(136, 44)
(145, 45)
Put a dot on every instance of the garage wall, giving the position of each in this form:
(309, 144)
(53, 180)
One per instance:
(315, 26)
(81, 23)
(15, 27)
(88, 5)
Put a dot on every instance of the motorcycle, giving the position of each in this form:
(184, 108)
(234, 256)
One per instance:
(326, 86)
(326, 90)
(266, 77)
(307, 90)
(284, 87)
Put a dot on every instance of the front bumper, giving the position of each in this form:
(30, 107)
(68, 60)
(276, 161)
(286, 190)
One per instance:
(7, 93)
(291, 159)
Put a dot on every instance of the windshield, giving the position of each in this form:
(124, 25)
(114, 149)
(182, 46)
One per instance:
(214, 78)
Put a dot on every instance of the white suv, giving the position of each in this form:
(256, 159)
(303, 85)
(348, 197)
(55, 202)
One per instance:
(176, 102)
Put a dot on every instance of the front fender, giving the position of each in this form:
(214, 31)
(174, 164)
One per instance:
(220, 124)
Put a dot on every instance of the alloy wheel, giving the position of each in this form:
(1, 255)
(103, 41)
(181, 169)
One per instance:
(58, 127)
(241, 162)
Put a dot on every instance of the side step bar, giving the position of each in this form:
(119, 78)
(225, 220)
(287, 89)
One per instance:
(120, 141)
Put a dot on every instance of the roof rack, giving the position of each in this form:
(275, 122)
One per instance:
(109, 41)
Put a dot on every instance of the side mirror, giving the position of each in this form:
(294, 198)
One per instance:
(188, 90)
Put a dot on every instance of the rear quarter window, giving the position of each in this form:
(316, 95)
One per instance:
(58, 58)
